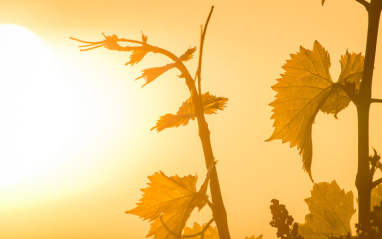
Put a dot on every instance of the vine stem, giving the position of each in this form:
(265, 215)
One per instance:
(364, 175)
(219, 212)
(202, 37)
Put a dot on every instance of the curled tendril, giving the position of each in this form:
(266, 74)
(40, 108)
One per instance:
(110, 42)
(90, 45)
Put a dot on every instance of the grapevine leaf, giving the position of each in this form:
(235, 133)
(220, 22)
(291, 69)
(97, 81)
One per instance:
(136, 57)
(188, 54)
(210, 233)
(186, 112)
(151, 74)
(376, 196)
(212, 103)
(168, 202)
(253, 237)
(351, 68)
(331, 210)
(302, 90)
(350, 78)
(144, 38)
(305, 88)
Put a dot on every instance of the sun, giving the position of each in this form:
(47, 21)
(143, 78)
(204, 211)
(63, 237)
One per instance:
(37, 113)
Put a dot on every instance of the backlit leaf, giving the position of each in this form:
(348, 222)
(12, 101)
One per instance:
(376, 196)
(212, 103)
(144, 38)
(151, 74)
(253, 237)
(136, 57)
(188, 54)
(331, 210)
(210, 233)
(351, 68)
(322, 2)
(168, 202)
(351, 74)
(186, 112)
(305, 88)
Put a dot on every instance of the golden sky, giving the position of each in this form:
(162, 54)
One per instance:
(83, 130)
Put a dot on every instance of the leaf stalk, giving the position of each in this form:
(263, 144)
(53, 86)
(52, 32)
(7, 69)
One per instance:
(376, 100)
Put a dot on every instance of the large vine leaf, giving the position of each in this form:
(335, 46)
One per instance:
(307, 87)
(331, 210)
(186, 112)
(168, 202)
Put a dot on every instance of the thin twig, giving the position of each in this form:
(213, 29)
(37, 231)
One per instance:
(91, 48)
(364, 3)
(88, 42)
(199, 70)
(130, 40)
(210, 205)
(97, 44)
(376, 183)
(376, 100)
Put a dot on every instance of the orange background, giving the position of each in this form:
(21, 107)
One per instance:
(84, 188)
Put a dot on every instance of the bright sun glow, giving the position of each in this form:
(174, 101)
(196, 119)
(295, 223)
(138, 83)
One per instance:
(37, 118)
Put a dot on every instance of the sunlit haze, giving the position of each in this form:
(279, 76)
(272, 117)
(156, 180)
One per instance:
(75, 139)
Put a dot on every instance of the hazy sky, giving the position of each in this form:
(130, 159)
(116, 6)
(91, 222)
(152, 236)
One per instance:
(98, 150)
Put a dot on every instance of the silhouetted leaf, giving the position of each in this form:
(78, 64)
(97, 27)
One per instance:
(351, 68)
(168, 202)
(212, 103)
(304, 89)
(151, 74)
(331, 210)
(188, 54)
(322, 2)
(144, 38)
(210, 233)
(253, 237)
(137, 55)
(351, 73)
(186, 112)
(376, 196)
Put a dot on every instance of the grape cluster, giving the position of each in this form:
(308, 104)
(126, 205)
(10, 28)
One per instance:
(286, 228)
